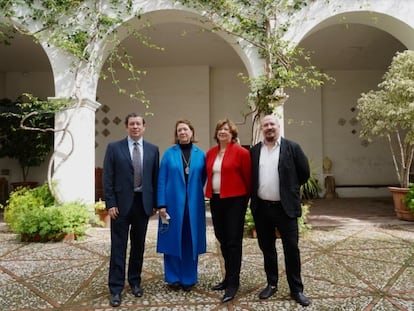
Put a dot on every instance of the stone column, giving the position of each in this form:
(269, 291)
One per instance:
(74, 162)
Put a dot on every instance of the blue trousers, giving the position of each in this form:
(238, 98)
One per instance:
(182, 270)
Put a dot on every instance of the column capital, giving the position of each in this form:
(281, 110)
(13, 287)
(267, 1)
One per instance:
(85, 103)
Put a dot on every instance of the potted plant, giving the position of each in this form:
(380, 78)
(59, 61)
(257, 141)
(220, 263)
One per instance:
(35, 216)
(389, 113)
(249, 225)
(24, 133)
(102, 213)
(409, 200)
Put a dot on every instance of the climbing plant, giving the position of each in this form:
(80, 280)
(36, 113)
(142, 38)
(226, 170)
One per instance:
(263, 25)
(80, 28)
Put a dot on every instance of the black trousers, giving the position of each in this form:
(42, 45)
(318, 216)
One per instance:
(228, 222)
(134, 225)
(268, 217)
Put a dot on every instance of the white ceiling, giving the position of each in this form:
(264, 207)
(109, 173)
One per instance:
(338, 47)
(352, 47)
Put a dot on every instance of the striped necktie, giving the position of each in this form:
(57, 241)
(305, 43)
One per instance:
(136, 162)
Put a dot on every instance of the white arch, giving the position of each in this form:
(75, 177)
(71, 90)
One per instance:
(389, 16)
(164, 14)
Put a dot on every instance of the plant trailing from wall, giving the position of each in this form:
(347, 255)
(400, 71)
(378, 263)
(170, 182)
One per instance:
(80, 28)
(263, 24)
(389, 113)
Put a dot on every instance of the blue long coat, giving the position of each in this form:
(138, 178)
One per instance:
(172, 192)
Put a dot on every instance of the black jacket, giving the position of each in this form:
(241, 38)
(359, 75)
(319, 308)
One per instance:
(293, 172)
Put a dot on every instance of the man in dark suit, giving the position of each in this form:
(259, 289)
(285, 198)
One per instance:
(279, 168)
(130, 176)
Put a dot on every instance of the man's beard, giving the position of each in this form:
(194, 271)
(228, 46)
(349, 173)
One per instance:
(270, 139)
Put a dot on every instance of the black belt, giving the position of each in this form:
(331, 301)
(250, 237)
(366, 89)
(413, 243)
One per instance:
(270, 203)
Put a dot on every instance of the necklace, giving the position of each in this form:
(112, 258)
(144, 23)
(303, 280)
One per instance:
(187, 163)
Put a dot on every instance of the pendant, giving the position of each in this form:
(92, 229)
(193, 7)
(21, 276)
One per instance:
(187, 170)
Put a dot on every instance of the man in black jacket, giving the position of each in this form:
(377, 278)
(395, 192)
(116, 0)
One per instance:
(130, 179)
(279, 168)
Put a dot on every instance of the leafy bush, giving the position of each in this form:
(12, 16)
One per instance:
(310, 190)
(35, 215)
(248, 220)
(409, 198)
(303, 226)
(29, 147)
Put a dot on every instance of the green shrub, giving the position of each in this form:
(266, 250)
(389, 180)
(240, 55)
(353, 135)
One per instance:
(35, 215)
(409, 198)
(310, 190)
(303, 226)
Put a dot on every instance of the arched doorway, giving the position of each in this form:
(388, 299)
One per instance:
(356, 55)
(194, 77)
(24, 68)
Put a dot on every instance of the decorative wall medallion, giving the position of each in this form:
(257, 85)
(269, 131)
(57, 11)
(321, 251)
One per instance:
(117, 120)
(341, 121)
(365, 143)
(353, 121)
(105, 108)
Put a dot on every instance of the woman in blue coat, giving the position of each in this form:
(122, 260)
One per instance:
(181, 197)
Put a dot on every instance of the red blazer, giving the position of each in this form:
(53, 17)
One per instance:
(235, 171)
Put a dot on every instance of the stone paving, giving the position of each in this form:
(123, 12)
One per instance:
(354, 264)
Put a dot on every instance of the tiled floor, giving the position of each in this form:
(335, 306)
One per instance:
(351, 261)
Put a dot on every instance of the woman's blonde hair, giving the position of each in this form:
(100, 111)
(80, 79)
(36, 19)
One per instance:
(233, 129)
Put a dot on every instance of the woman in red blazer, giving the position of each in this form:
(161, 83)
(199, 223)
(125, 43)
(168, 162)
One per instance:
(228, 187)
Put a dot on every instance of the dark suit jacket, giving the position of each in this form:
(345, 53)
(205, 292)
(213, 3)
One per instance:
(118, 176)
(293, 172)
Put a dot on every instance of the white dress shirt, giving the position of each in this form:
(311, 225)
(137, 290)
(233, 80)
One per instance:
(269, 184)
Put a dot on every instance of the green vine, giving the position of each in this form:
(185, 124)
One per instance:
(79, 28)
(263, 24)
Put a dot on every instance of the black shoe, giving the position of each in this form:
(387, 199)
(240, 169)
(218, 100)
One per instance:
(268, 292)
(229, 294)
(220, 286)
(137, 291)
(301, 299)
(187, 288)
(115, 300)
(174, 286)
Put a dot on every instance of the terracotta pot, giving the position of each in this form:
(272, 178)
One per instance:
(104, 217)
(253, 233)
(277, 233)
(26, 184)
(400, 207)
(64, 237)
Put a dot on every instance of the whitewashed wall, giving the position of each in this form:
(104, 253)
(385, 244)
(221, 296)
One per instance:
(199, 93)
